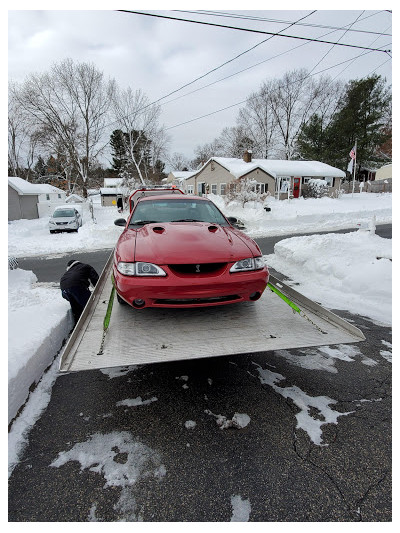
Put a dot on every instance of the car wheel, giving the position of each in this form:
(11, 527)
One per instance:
(52, 231)
(120, 300)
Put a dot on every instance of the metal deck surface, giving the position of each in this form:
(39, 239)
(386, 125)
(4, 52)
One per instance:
(137, 337)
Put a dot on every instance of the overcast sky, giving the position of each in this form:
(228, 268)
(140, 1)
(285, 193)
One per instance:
(159, 55)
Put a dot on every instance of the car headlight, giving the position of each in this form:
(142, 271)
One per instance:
(52, 222)
(140, 269)
(251, 263)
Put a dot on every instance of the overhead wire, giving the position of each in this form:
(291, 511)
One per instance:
(251, 30)
(369, 50)
(274, 21)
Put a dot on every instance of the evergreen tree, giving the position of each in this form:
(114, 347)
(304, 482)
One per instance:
(361, 115)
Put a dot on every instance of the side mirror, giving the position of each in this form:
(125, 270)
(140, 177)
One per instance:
(120, 222)
(232, 220)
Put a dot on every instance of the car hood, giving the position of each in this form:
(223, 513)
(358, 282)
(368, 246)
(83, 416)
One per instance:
(180, 243)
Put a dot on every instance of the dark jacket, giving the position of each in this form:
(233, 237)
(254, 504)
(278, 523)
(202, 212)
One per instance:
(78, 275)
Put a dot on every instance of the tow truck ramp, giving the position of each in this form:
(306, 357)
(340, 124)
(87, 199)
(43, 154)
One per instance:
(154, 335)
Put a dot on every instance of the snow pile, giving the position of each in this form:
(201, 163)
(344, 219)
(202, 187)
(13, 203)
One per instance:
(302, 215)
(238, 421)
(351, 271)
(38, 321)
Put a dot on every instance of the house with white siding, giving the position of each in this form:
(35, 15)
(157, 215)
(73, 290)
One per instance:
(280, 178)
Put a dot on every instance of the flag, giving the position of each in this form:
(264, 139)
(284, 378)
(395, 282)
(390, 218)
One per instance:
(352, 153)
(350, 166)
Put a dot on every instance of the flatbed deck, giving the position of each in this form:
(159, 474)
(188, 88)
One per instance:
(150, 335)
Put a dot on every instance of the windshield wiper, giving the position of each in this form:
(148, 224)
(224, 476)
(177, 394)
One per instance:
(187, 220)
(143, 222)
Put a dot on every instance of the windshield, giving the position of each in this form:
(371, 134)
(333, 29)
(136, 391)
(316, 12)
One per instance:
(171, 210)
(63, 213)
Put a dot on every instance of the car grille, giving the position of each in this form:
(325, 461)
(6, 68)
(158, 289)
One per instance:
(202, 268)
(61, 223)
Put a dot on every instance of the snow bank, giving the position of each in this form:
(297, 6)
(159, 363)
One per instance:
(302, 215)
(38, 322)
(351, 271)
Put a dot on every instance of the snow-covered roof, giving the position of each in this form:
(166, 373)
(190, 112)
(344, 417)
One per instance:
(74, 198)
(112, 182)
(108, 191)
(183, 175)
(279, 167)
(25, 187)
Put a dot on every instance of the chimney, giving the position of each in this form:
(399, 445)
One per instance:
(247, 156)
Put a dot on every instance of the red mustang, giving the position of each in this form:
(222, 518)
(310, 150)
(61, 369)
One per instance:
(181, 251)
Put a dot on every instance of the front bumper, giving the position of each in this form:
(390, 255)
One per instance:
(191, 290)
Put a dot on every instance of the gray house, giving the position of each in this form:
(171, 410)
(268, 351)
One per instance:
(31, 200)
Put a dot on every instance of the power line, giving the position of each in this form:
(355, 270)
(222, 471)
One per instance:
(251, 30)
(244, 101)
(275, 21)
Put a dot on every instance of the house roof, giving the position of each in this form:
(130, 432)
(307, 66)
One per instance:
(108, 191)
(183, 174)
(25, 187)
(279, 167)
(74, 198)
(112, 182)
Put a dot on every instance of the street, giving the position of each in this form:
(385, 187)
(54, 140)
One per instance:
(148, 443)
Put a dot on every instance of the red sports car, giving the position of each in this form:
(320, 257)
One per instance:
(181, 251)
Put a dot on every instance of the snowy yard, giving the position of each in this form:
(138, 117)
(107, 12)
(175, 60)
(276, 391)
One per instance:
(342, 271)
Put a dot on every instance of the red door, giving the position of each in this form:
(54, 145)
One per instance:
(296, 187)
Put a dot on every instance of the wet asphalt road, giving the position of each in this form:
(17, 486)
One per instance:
(179, 473)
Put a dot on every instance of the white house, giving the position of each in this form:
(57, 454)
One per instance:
(32, 200)
(274, 176)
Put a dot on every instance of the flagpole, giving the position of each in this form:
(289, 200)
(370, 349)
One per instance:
(354, 168)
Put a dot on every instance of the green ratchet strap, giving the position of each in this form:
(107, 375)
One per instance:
(294, 307)
(107, 318)
(284, 298)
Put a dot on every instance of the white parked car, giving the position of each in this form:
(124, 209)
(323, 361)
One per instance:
(65, 218)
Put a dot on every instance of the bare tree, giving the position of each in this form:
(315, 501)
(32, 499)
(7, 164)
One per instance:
(138, 120)
(69, 104)
(259, 122)
(294, 99)
(179, 162)
(22, 139)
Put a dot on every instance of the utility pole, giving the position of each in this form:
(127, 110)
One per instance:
(354, 167)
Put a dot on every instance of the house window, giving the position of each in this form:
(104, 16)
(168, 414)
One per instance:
(59, 195)
(329, 181)
(213, 188)
(47, 196)
(223, 189)
(285, 183)
(306, 179)
(190, 189)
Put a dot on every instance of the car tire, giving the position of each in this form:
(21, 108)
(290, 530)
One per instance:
(52, 231)
(120, 300)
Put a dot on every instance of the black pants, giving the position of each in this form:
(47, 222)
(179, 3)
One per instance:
(77, 297)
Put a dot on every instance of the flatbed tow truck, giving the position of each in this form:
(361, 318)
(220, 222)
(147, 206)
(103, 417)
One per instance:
(109, 335)
(112, 335)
